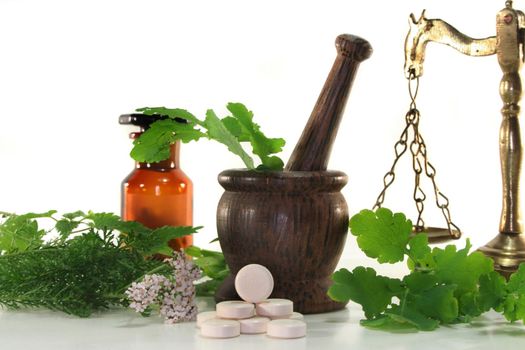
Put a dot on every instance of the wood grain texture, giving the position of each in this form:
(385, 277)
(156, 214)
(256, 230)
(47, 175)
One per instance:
(294, 223)
(313, 149)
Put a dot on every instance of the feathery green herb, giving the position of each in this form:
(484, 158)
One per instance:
(88, 265)
(445, 286)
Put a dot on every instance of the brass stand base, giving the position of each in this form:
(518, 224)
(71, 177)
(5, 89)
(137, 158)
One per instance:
(507, 251)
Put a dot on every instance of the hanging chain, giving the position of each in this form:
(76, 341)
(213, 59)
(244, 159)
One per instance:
(420, 164)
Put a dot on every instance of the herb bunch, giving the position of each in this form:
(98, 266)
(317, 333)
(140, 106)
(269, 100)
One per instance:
(232, 131)
(444, 286)
(86, 268)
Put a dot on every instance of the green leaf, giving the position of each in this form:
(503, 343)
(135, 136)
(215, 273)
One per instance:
(21, 232)
(29, 216)
(389, 323)
(74, 215)
(210, 262)
(418, 282)
(271, 163)
(460, 268)
(418, 247)
(413, 317)
(492, 291)
(427, 263)
(262, 145)
(437, 303)
(213, 267)
(132, 228)
(171, 113)
(154, 144)
(382, 235)
(514, 304)
(193, 251)
(208, 288)
(517, 281)
(218, 132)
(430, 298)
(65, 227)
(362, 285)
(156, 242)
(104, 221)
(236, 129)
(514, 307)
(469, 306)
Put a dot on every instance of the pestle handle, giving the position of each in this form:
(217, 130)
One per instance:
(312, 151)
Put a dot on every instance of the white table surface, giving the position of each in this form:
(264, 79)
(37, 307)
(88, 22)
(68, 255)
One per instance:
(124, 329)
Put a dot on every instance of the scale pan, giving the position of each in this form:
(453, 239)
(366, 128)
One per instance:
(437, 234)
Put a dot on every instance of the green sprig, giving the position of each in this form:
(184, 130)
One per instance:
(231, 131)
(444, 286)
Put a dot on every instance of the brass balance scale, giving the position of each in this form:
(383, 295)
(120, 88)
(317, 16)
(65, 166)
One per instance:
(507, 249)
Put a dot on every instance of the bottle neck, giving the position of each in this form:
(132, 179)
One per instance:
(171, 163)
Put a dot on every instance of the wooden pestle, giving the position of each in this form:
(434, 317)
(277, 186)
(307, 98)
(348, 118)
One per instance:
(313, 149)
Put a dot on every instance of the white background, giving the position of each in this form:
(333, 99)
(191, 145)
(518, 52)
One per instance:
(68, 69)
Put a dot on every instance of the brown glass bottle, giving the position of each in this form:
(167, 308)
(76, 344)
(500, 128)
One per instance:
(159, 194)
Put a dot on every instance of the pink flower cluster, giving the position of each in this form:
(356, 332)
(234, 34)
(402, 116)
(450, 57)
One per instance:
(175, 295)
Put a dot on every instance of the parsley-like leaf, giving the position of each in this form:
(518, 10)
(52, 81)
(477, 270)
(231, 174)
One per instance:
(437, 303)
(460, 268)
(411, 316)
(445, 285)
(382, 235)
(154, 144)
(364, 287)
(419, 247)
(514, 304)
(426, 295)
(492, 291)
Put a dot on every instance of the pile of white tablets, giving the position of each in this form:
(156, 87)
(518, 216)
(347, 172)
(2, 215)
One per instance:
(256, 314)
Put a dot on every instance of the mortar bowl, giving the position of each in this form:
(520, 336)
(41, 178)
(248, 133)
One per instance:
(293, 222)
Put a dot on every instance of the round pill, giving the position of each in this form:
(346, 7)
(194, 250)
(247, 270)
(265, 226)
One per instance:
(254, 325)
(235, 309)
(293, 316)
(254, 283)
(216, 328)
(286, 329)
(205, 316)
(275, 308)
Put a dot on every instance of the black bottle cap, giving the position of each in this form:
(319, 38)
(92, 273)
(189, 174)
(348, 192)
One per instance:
(142, 120)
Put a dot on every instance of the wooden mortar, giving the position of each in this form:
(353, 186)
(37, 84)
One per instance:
(294, 222)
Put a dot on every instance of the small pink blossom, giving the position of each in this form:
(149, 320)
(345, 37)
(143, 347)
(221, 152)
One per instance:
(175, 295)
